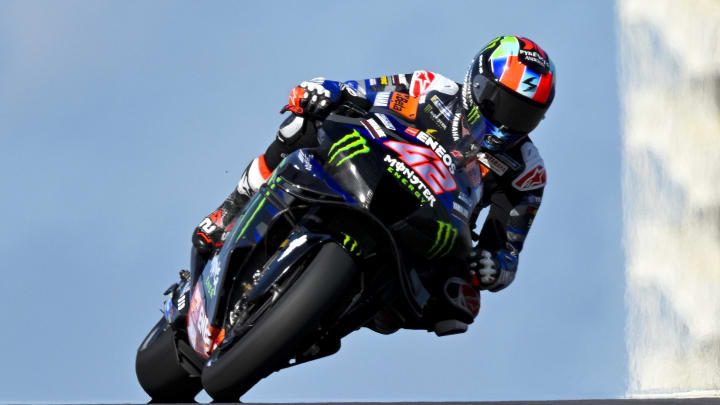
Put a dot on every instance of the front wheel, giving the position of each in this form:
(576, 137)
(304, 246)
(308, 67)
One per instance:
(273, 337)
(158, 369)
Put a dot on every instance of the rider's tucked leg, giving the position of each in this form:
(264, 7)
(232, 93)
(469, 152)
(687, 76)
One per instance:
(294, 133)
(208, 234)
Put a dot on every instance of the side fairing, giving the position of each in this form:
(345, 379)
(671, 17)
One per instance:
(406, 178)
(298, 174)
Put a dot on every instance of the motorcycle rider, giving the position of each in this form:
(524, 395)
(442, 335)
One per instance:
(507, 89)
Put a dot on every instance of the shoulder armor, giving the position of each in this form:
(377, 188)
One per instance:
(533, 175)
(424, 81)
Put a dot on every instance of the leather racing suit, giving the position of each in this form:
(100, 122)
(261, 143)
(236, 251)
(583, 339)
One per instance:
(513, 179)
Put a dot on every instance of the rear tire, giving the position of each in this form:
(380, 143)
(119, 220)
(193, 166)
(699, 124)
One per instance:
(158, 370)
(273, 338)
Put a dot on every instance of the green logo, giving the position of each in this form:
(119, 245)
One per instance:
(351, 244)
(473, 115)
(209, 286)
(492, 43)
(444, 241)
(351, 144)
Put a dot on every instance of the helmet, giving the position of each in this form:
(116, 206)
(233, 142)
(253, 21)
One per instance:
(511, 81)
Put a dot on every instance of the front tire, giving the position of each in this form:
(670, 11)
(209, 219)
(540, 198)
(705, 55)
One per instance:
(158, 370)
(273, 337)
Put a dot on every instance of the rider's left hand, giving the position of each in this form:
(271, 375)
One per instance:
(494, 272)
(313, 99)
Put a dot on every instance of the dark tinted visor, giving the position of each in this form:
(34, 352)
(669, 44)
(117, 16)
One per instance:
(505, 107)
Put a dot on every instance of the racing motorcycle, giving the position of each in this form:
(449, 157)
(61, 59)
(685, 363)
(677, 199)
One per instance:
(365, 230)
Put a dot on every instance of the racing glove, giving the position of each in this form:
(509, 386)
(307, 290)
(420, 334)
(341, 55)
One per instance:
(493, 272)
(315, 98)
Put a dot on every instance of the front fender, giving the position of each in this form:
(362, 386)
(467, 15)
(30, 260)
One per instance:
(293, 250)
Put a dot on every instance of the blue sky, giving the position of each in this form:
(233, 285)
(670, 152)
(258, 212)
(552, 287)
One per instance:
(123, 123)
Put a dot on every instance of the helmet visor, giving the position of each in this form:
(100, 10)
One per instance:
(506, 108)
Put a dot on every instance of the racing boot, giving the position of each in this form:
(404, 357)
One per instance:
(208, 235)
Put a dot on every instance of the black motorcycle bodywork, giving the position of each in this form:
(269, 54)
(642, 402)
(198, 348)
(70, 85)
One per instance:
(395, 201)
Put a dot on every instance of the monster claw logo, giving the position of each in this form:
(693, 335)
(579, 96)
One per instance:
(492, 43)
(473, 115)
(352, 144)
(444, 241)
(350, 243)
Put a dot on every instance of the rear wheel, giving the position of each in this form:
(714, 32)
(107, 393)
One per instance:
(273, 338)
(158, 370)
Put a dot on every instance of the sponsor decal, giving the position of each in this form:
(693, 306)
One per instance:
(492, 163)
(534, 175)
(440, 106)
(438, 149)
(492, 44)
(351, 244)
(460, 210)
(436, 118)
(426, 163)
(403, 80)
(209, 287)
(473, 115)
(421, 81)
(305, 159)
(533, 199)
(215, 270)
(181, 302)
(407, 177)
(374, 128)
(212, 279)
(382, 99)
(198, 327)
(386, 121)
(532, 54)
(412, 131)
(404, 105)
(444, 240)
(459, 126)
(530, 85)
(465, 200)
(351, 145)
(533, 179)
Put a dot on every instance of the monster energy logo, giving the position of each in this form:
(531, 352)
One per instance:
(352, 144)
(209, 286)
(473, 115)
(351, 244)
(444, 241)
(492, 43)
